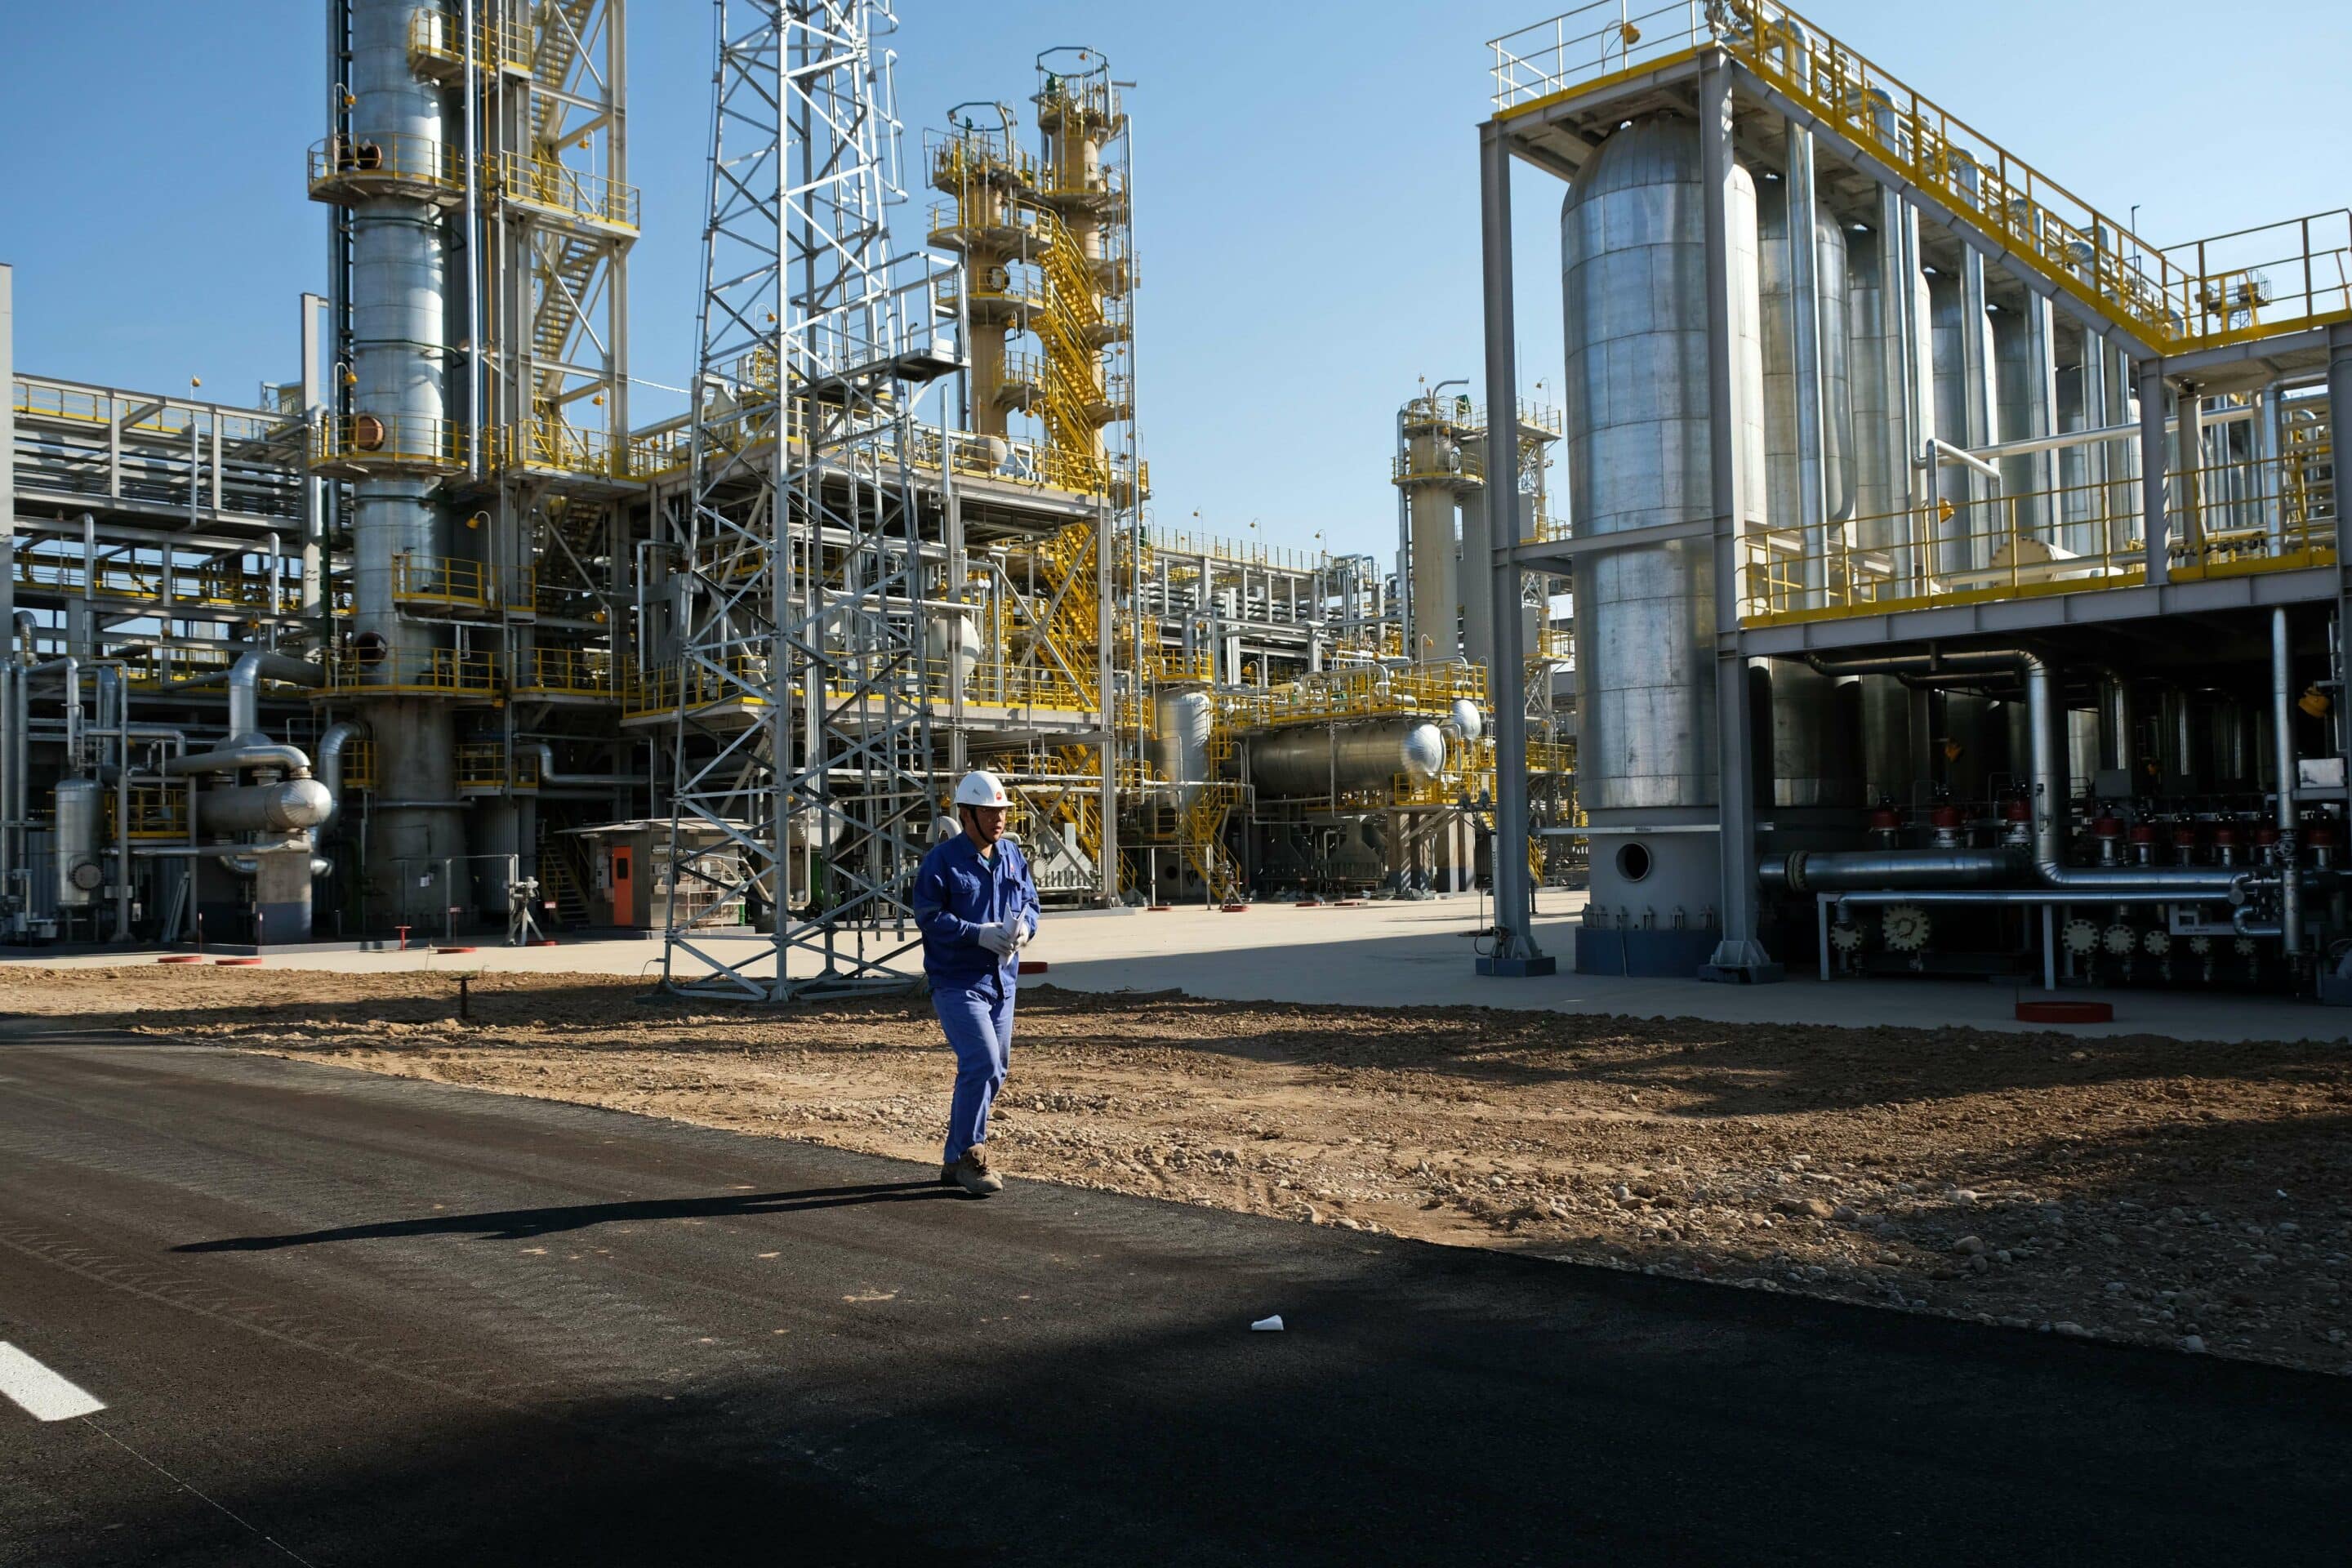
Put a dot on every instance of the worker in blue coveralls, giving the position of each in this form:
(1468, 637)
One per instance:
(976, 908)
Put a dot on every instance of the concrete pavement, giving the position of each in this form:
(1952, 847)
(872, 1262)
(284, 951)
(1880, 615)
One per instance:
(341, 1320)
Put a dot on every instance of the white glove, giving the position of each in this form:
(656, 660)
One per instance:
(997, 938)
(1024, 930)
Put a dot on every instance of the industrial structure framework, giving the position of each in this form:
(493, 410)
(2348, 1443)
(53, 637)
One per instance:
(433, 638)
(1959, 577)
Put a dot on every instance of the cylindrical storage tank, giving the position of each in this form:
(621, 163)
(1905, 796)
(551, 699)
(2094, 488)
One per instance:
(1958, 548)
(1312, 760)
(1181, 749)
(1464, 720)
(1813, 761)
(1976, 745)
(1781, 454)
(81, 829)
(951, 644)
(1639, 453)
(1639, 440)
(1887, 751)
(2083, 743)
(2021, 410)
(2016, 729)
(1879, 485)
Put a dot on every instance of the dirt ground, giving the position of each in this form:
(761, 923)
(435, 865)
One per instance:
(2137, 1188)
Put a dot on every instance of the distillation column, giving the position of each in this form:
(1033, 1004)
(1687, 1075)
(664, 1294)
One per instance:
(401, 356)
(1634, 260)
(1430, 471)
(986, 177)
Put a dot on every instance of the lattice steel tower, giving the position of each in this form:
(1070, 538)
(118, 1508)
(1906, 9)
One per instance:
(801, 752)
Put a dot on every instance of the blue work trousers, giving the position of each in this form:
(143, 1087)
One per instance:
(978, 1019)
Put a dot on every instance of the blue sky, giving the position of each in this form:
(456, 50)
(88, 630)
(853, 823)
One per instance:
(1306, 199)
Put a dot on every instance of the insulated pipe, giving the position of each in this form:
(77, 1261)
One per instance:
(250, 865)
(69, 668)
(2031, 896)
(2051, 784)
(252, 754)
(548, 772)
(2283, 744)
(245, 687)
(1808, 872)
(2050, 789)
(331, 744)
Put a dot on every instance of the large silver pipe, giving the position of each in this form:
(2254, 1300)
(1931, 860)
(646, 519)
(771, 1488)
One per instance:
(2052, 789)
(549, 773)
(1809, 872)
(2283, 760)
(251, 754)
(332, 746)
(2051, 786)
(245, 678)
(2028, 896)
(249, 866)
(69, 669)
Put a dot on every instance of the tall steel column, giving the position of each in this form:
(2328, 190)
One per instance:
(401, 357)
(1498, 574)
(2155, 522)
(2339, 419)
(802, 751)
(12, 783)
(1738, 955)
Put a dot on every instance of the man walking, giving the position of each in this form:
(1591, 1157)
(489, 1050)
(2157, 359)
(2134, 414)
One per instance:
(976, 908)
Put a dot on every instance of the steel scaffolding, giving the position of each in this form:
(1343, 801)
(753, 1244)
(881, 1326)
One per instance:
(802, 750)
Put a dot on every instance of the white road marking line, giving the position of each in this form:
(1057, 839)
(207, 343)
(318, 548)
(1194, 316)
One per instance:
(42, 1393)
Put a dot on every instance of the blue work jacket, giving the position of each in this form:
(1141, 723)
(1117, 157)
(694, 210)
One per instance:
(956, 893)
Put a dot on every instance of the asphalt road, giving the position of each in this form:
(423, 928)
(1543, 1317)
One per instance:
(343, 1319)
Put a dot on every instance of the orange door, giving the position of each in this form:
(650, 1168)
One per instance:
(625, 903)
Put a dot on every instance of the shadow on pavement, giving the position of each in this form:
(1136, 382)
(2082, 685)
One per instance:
(516, 1225)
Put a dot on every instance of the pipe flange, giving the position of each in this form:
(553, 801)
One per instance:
(2080, 937)
(1905, 927)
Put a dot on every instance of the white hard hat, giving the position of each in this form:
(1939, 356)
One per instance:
(982, 789)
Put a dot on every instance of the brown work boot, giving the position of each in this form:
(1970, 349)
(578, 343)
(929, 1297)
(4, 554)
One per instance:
(972, 1174)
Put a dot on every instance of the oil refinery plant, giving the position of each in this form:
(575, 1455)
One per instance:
(1955, 576)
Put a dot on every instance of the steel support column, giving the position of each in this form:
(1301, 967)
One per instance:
(1739, 957)
(2339, 419)
(2154, 523)
(11, 744)
(1515, 950)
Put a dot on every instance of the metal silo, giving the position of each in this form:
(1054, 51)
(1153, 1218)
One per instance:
(1783, 485)
(1180, 747)
(1639, 438)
